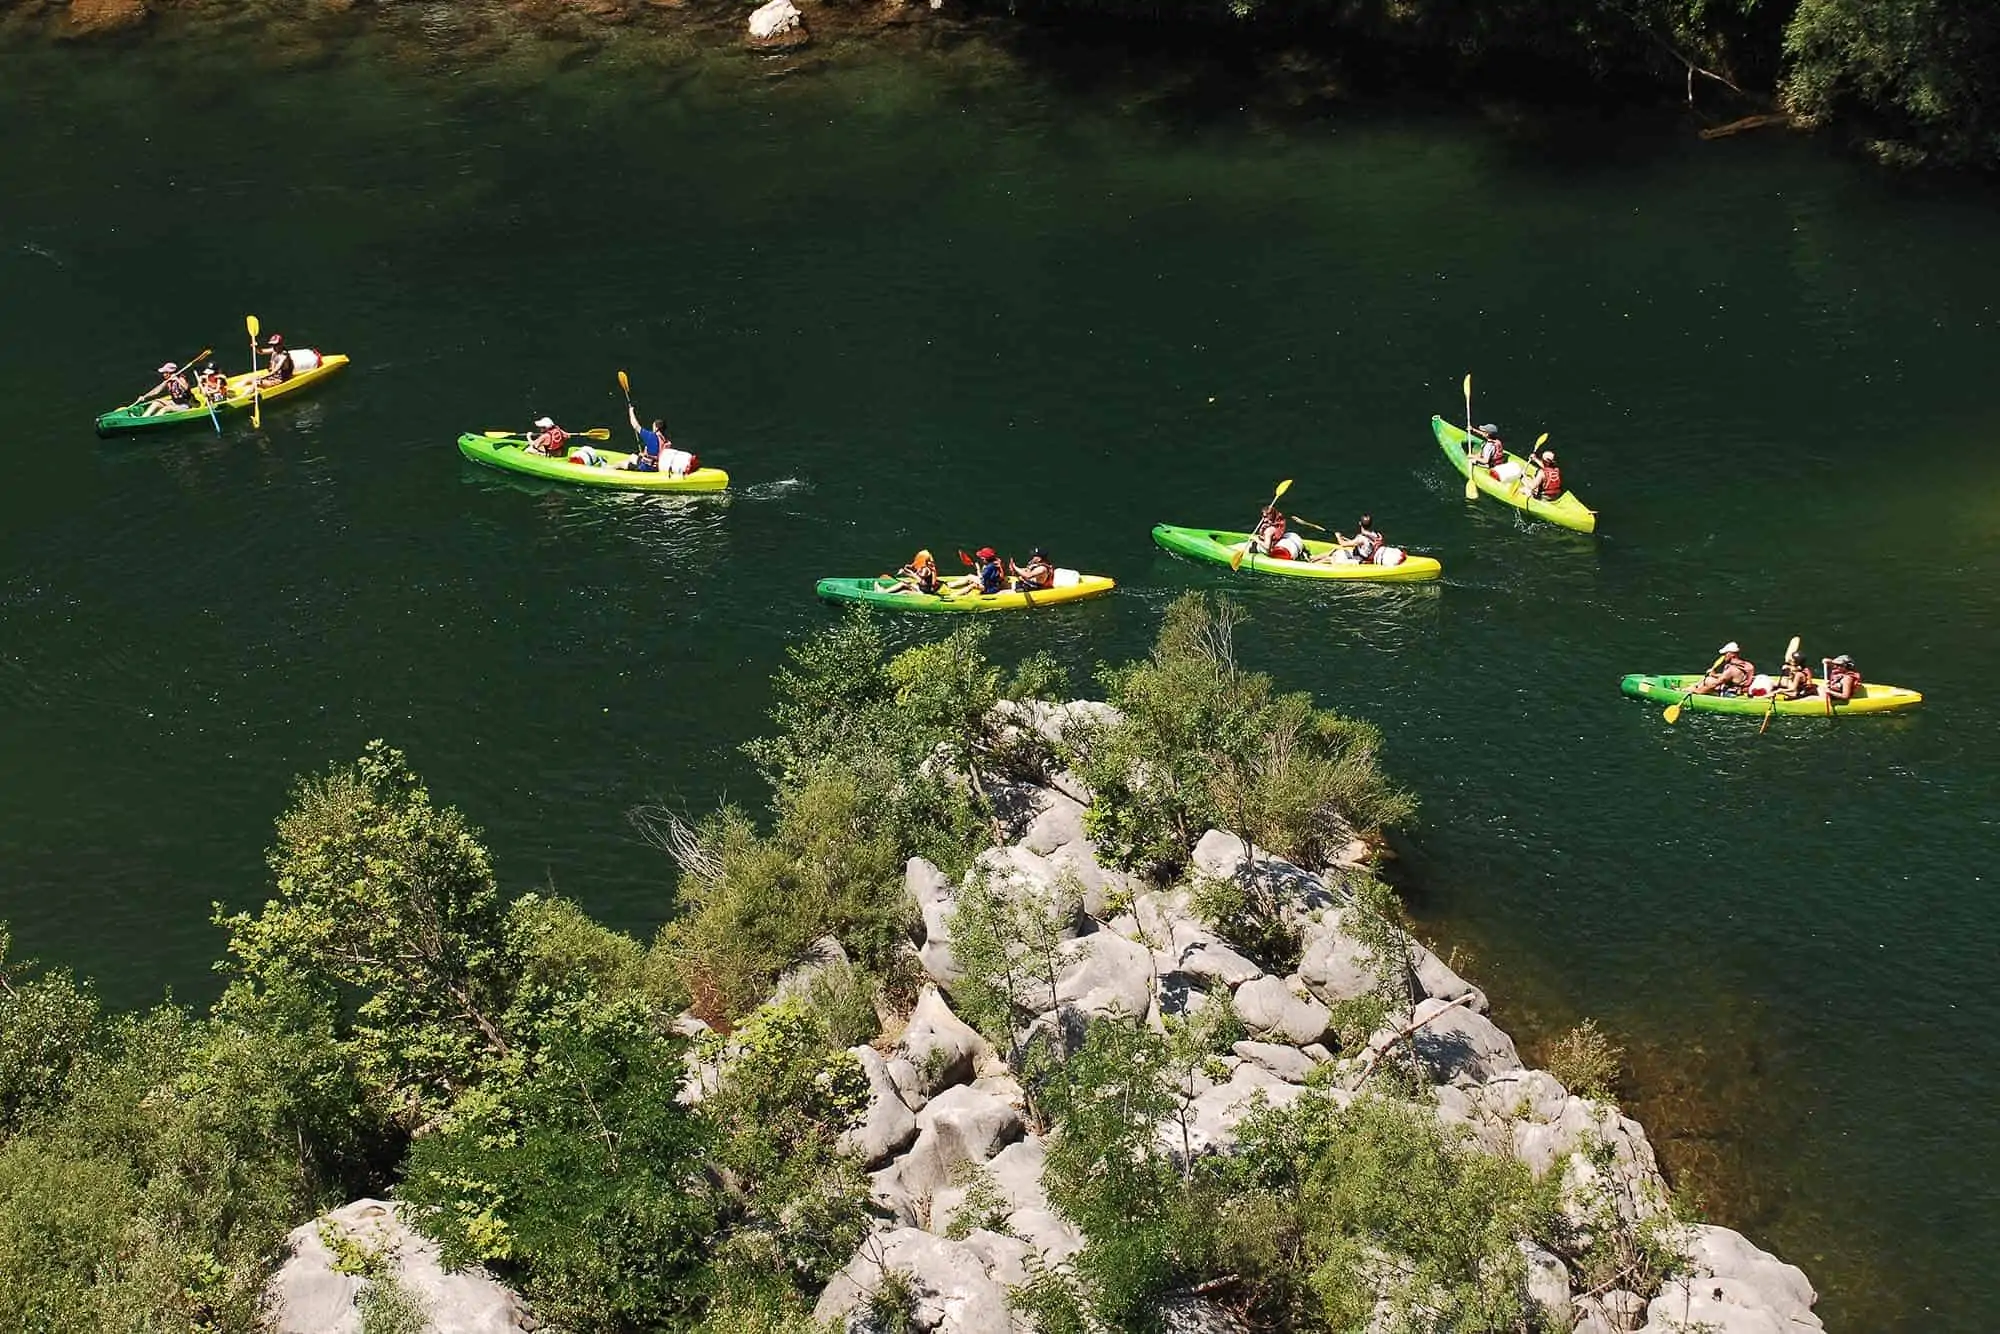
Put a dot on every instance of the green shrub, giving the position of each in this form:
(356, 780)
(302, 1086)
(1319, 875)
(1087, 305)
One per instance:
(1587, 1062)
(46, 1021)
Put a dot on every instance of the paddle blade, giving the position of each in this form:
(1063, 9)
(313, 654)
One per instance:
(596, 433)
(257, 410)
(1236, 555)
(1283, 487)
(625, 383)
(1471, 486)
(1791, 648)
(1673, 713)
(250, 323)
(1543, 441)
(1468, 391)
(965, 560)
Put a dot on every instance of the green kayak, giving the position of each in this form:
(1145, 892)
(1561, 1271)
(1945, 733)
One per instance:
(1214, 545)
(511, 454)
(884, 592)
(1565, 510)
(1674, 689)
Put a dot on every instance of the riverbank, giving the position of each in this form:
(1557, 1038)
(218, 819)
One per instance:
(1820, 64)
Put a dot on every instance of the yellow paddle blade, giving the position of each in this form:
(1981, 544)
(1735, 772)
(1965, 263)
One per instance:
(1471, 486)
(1673, 713)
(1791, 648)
(1468, 387)
(1283, 487)
(250, 323)
(625, 383)
(1236, 555)
(1543, 441)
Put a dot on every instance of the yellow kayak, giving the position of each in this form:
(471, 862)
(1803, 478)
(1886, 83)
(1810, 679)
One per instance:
(243, 390)
(1565, 510)
(884, 592)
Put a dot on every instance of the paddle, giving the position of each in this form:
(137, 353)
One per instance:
(1673, 713)
(1471, 486)
(257, 385)
(1237, 553)
(594, 433)
(1825, 677)
(625, 383)
(1771, 712)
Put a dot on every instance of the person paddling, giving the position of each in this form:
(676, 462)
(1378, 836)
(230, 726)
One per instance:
(1842, 683)
(547, 438)
(282, 362)
(1548, 483)
(1731, 675)
(174, 386)
(651, 441)
(1795, 679)
(214, 384)
(1036, 575)
(1273, 539)
(1492, 452)
(991, 578)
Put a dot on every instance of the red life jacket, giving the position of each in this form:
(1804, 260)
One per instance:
(1549, 485)
(1843, 671)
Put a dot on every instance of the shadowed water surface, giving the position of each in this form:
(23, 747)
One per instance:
(923, 303)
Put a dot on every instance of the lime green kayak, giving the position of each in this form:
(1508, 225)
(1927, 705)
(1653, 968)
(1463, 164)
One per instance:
(243, 391)
(1869, 698)
(512, 454)
(1565, 509)
(1214, 545)
(885, 592)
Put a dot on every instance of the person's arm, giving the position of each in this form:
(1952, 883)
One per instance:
(632, 415)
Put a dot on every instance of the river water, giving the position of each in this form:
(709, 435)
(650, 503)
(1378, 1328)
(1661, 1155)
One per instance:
(938, 300)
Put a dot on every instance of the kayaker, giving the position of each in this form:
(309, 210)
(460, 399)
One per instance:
(651, 442)
(1548, 483)
(1271, 538)
(1492, 453)
(1843, 680)
(174, 386)
(921, 574)
(547, 438)
(214, 384)
(1731, 675)
(992, 579)
(1036, 574)
(1360, 549)
(282, 364)
(1795, 679)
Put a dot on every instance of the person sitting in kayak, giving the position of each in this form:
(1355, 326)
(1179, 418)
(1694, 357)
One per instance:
(282, 364)
(214, 384)
(1795, 679)
(651, 442)
(991, 578)
(1731, 675)
(547, 438)
(1492, 453)
(920, 575)
(1271, 538)
(1361, 549)
(1548, 483)
(1037, 574)
(1843, 680)
(174, 386)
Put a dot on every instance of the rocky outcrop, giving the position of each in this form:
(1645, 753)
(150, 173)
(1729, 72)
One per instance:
(332, 1260)
(974, 1167)
(777, 26)
(92, 18)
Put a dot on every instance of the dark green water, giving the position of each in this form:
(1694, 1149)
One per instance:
(932, 302)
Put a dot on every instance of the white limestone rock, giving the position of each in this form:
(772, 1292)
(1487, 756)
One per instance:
(935, 897)
(1734, 1287)
(1460, 1046)
(1272, 1007)
(889, 1125)
(308, 1295)
(949, 1282)
(1548, 1284)
(1287, 1063)
(943, 1049)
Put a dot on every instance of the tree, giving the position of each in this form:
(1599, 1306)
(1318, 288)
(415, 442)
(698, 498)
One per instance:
(46, 1021)
(387, 903)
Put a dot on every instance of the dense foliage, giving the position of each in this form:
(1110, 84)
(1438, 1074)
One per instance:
(1205, 744)
(517, 1074)
(1913, 80)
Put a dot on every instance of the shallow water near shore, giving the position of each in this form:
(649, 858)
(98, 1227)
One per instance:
(912, 301)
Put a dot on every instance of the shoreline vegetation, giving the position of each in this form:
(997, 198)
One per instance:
(1907, 83)
(1009, 1007)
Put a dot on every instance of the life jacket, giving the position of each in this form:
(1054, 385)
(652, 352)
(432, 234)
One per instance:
(1493, 453)
(552, 440)
(282, 365)
(1549, 486)
(216, 385)
(1737, 662)
(927, 578)
(1843, 671)
(1366, 544)
(1033, 576)
(180, 389)
(991, 578)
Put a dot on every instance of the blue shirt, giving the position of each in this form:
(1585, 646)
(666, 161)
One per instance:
(649, 443)
(991, 580)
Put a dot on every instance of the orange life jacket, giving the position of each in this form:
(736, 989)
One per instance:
(1549, 486)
